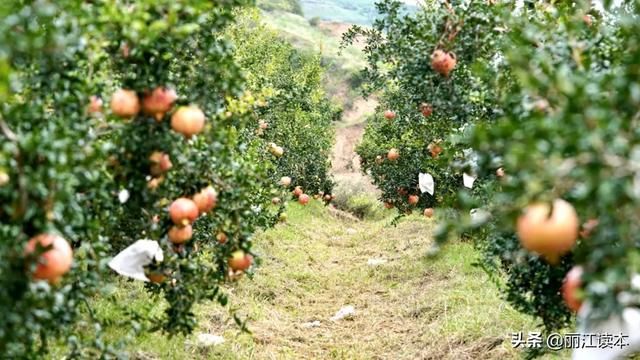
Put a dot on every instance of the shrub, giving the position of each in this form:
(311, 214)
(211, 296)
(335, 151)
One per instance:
(564, 123)
(297, 114)
(424, 111)
(101, 180)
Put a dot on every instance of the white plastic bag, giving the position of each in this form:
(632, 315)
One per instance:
(426, 183)
(131, 261)
(468, 180)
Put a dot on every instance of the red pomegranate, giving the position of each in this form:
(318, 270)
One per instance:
(154, 183)
(393, 154)
(206, 199)
(413, 199)
(95, 105)
(183, 211)
(125, 103)
(588, 227)
(389, 114)
(388, 205)
(240, 261)
(571, 288)
(158, 102)
(285, 181)
(160, 163)
(426, 109)
(435, 150)
(297, 191)
(550, 231)
(443, 62)
(303, 199)
(188, 120)
(53, 263)
(428, 212)
(180, 234)
(221, 237)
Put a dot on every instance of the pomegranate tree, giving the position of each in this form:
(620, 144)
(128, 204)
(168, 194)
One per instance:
(295, 117)
(437, 69)
(566, 133)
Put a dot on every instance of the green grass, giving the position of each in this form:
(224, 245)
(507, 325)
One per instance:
(410, 307)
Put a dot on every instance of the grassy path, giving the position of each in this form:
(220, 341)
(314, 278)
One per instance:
(407, 308)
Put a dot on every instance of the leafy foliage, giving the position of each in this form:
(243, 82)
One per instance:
(70, 167)
(399, 51)
(566, 133)
(297, 113)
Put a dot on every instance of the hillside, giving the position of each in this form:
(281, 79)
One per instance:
(361, 12)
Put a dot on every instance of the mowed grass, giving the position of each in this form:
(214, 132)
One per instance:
(410, 307)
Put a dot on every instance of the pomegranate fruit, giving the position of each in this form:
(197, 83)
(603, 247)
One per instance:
(125, 103)
(53, 263)
(303, 199)
(160, 163)
(443, 62)
(388, 205)
(180, 234)
(188, 120)
(154, 183)
(276, 150)
(158, 102)
(393, 154)
(327, 198)
(550, 231)
(240, 261)
(588, 227)
(389, 114)
(428, 212)
(297, 191)
(183, 211)
(95, 105)
(426, 109)
(434, 149)
(413, 199)
(221, 237)
(206, 200)
(285, 181)
(156, 277)
(275, 201)
(571, 287)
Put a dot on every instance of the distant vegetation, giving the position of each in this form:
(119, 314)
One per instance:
(361, 12)
(292, 6)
